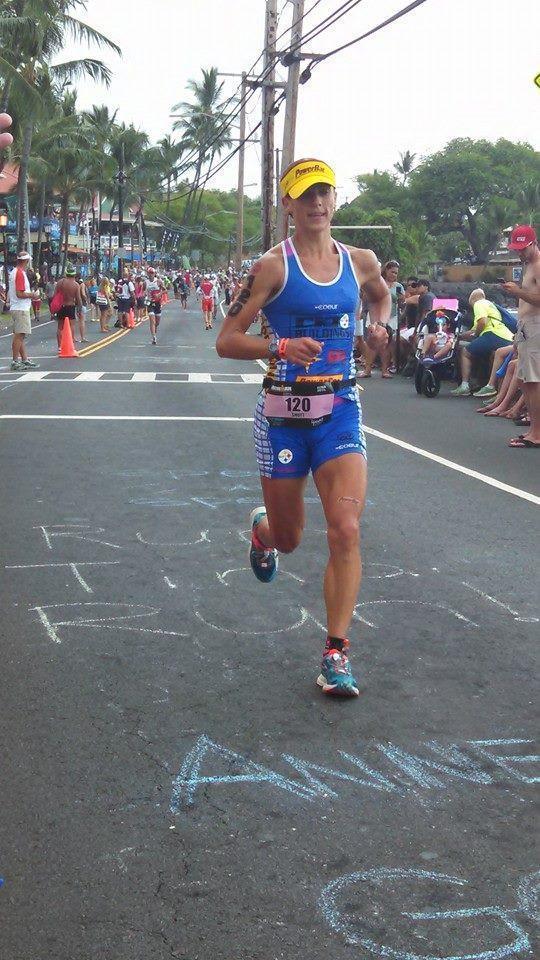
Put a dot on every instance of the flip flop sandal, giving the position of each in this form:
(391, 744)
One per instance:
(521, 443)
(522, 422)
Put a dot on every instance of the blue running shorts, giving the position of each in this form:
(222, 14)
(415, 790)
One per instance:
(291, 452)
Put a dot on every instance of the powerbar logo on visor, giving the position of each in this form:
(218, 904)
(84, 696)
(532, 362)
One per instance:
(315, 168)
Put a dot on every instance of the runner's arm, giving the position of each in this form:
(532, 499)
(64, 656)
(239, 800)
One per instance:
(264, 279)
(233, 340)
(373, 286)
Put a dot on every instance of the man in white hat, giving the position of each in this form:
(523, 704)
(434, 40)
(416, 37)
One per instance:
(20, 300)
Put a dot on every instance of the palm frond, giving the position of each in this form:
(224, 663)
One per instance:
(88, 67)
(84, 33)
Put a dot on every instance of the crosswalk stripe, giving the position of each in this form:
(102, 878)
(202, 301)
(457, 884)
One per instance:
(33, 375)
(109, 376)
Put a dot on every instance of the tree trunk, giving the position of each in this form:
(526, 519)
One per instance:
(41, 214)
(168, 194)
(193, 191)
(143, 233)
(110, 235)
(6, 93)
(64, 232)
(23, 233)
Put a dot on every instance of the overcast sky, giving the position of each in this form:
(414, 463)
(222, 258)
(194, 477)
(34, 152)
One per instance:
(451, 68)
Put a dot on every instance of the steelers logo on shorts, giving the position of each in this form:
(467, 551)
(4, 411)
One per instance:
(285, 456)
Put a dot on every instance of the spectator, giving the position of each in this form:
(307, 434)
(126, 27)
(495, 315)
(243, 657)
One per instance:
(438, 345)
(20, 299)
(499, 357)
(92, 288)
(50, 287)
(84, 308)
(125, 296)
(103, 304)
(390, 273)
(487, 334)
(525, 242)
(70, 290)
(425, 301)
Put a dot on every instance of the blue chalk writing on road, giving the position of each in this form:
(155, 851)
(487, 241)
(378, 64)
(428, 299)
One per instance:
(527, 896)
(413, 772)
(506, 762)
(245, 771)
(417, 768)
(385, 878)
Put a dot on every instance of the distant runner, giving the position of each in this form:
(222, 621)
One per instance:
(207, 301)
(308, 416)
(154, 291)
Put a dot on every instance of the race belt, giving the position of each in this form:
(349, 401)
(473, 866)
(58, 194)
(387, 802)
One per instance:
(294, 404)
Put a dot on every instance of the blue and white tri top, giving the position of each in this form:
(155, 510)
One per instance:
(323, 311)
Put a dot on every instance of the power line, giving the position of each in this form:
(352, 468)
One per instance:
(396, 16)
(325, 24)
(227, 120)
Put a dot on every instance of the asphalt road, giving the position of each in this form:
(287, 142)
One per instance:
(174, 784)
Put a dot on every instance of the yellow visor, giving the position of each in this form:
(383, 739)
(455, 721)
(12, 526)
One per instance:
(304, 175)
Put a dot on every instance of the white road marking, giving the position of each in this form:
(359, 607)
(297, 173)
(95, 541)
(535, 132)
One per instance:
(33, 375)
(50, 376)
(491, 481)
(37, 326)
(466, 471)
(65, 416)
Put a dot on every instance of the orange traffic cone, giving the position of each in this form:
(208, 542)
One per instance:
(131, 319)
(67, 347)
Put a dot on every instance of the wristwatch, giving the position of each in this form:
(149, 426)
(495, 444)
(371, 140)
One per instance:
(273, 348)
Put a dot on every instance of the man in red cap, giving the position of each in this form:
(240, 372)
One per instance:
(524, 241)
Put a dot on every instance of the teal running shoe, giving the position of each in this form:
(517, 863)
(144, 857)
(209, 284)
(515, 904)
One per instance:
(264, 562)
(336, 677)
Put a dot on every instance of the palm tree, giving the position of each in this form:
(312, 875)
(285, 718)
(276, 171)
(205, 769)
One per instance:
(205, 132)
(419, 246)
(529, 200)
(35, 32)
(405, 165)
(169, 155)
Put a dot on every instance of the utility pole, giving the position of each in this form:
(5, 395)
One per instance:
(240, 195)
(291, 104)
(276, 180)
(121, 177)
(267, 131)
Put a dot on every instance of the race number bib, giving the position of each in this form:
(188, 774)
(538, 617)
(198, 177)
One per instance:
(296, 407)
